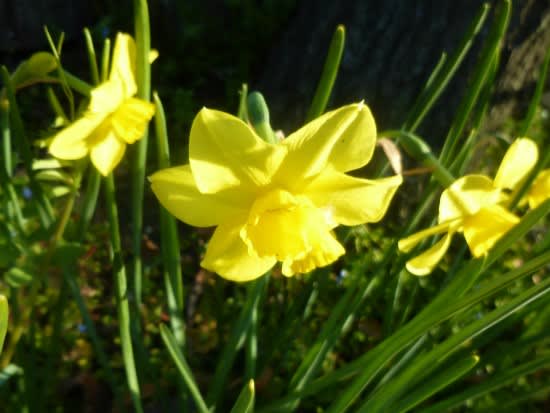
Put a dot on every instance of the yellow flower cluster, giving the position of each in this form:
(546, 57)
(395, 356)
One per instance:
(476, 206)
(275, 202)
(113, 119)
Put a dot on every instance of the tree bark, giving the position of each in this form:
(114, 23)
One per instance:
(391, 48)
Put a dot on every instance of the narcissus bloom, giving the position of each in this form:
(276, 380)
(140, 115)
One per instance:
(539, 190)
(275, 202)
(113, 118)
(476, 206)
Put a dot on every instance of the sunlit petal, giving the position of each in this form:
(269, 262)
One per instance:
(123, 64)
(518, 161)
(486, 227)
(540, 189)
(228, 255)
(224, 152)
(72, 142)
(424, 263)
(107, 152)
(106, 98)
(343, 139)
(466, 196)
(177, 192)
(131, 119)
(350, 200)
(408, 243)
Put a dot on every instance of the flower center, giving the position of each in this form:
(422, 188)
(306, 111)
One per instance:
(291, 229)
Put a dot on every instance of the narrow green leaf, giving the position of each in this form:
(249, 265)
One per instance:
(170, 243)
(441, 75)
(479, 78)
(446, 376)
(494, 382)
(139, 158)
(42, 204)
(4, 315)
(185, 371)
(243, 111)
(380, 401)
(328, 76)
(245, 401)
(92, 59)
(235, 342)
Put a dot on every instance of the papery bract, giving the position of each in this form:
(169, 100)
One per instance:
(113, 119)
(275, 202)
(476, 206)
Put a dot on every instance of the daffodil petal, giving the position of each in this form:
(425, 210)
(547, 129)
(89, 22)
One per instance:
(408, 243)
(540, 189)
(131, 118)
(123, 64)
(350, 200)
(224, 152)
(486, 227)
(343, 139)
(106, 98)
(72, 142)
(107, 152)
(518, 161)
(466, 196)
(176, 190)
(424, 263)
(227, 255)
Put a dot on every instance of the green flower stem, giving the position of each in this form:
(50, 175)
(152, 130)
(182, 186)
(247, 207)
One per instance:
(77, 84)
(105, 59)
(92, 60)
(479, 79)
(183, 368)
(143, 80)
(235, 342)
(420, 151)
(443, 73)
(13, 207)
(121, 293)
(242, 112)
(4, 312)
(328, 76)
(251, 345)
(40, 200)
(170, 243)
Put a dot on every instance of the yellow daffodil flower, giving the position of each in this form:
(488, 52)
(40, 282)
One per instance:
(539, 190)
(275, 202)
(113, 119)
(476, 206)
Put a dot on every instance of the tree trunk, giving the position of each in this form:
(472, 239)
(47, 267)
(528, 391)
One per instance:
(391, 48)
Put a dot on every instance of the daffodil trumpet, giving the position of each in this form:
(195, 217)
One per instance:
(275, 202)
(476, 206)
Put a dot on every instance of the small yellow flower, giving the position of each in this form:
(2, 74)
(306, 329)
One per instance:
(113, 118)
(275, 202)
(540, 189)
(476, 206)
